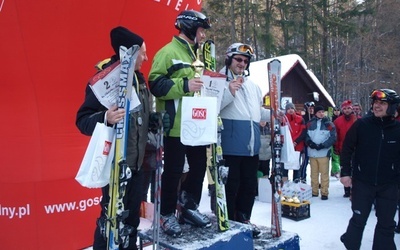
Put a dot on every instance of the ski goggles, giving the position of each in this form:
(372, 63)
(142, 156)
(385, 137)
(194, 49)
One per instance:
(378, 95)
(244, 48)
(310, 104)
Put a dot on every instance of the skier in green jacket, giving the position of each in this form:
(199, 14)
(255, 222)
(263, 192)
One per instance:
(172, 77)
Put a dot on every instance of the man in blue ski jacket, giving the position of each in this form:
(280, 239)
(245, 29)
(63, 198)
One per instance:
(241, 113)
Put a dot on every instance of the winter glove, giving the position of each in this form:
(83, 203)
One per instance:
(166, 123)
(312, 145)
(155, 122)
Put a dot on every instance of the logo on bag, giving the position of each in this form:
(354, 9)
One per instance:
(199, 113)
(107, 148)
(191, 131)
(98, 166)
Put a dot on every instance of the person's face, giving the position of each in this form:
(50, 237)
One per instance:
(311, 110)
(347, 110)
(290, 111)
(142, 56)
(356, 109)
(239, 64)
(200, 35)
(336, 112)
(320, 114)
(379, 108)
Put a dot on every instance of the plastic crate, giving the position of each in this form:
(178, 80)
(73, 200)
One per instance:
(296, 211)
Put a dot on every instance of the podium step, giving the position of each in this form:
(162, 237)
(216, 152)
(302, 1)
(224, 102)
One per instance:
(239, 236)
(287, 241)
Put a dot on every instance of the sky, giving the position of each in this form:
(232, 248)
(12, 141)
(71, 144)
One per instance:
(328, 221)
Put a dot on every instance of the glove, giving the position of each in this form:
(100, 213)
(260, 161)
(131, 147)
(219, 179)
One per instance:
(166, 123)
(312, 145)
(154, 121)
(319, 147)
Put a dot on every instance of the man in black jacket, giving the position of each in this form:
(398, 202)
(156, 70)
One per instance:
(91, 112)
(375, 142)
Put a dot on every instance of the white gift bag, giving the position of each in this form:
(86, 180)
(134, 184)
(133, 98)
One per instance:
(289, 156)
(199, 121)
(95, 168)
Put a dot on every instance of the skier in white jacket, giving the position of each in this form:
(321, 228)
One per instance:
(241, 113)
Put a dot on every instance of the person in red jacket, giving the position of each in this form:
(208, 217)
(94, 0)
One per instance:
(343, 124)
(298, 132)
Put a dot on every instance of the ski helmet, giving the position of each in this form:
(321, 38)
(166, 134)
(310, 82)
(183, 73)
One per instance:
(386, 95)
(188, 21)
(239, 49)
(309, 104)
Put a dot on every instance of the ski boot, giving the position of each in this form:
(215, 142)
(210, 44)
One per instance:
(170, 225)
(189, 212)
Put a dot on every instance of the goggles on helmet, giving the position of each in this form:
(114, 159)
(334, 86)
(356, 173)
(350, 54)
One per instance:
(310, 104)
(244, 48)
(378, 95)
(206, 23)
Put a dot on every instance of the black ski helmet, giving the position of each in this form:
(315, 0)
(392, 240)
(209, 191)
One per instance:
(386, 95)
(238, 49)
(188, 21)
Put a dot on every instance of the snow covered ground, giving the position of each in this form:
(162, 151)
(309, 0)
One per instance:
(322, 230)
(328, 221)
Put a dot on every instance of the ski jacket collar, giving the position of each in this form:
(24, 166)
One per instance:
(191, 49)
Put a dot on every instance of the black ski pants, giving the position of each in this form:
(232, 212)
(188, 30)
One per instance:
(174, 160)
(132, 201)
(241, 186)
(363, 196)
(304, 164)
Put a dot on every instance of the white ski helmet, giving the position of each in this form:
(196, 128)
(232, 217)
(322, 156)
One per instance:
(239, 49)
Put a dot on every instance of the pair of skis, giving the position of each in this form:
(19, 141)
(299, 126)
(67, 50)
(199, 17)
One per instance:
(274, 77)
(218, 170)
(115, 230)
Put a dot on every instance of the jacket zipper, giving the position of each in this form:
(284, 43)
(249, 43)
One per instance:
(379, 156)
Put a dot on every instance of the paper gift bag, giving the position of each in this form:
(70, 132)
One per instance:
(95, 168)
(289, 156)
(199, 121)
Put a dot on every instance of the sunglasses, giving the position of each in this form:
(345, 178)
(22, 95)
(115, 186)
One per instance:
(377, 94)
(244, 49)
(239, 60)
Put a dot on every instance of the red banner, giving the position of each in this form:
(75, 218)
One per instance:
(48, 52)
